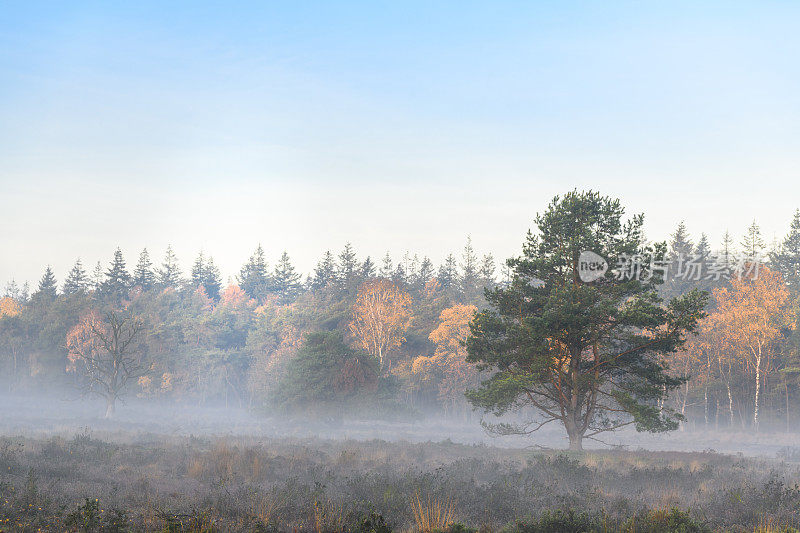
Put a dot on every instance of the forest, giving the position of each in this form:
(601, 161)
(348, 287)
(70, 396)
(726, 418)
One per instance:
(388, 340)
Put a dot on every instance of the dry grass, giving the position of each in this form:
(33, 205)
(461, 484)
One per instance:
(434, 514)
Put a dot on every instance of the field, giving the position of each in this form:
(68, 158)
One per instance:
(115, 479)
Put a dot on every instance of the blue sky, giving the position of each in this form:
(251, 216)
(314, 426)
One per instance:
(399, 126)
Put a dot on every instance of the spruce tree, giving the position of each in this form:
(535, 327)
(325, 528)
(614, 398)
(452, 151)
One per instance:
(425, 274)
(212, 279)
(448, 273)
(387, 267)
(347, 269)
(752, 242)
(285, 281)
(786, 259)
(487, 271)
(97, 277)
(169, 275)
(143, 275)
(12, 290)
(367, 269)
(254, 277)
(324, 273)
(48, 287)
(118, 280)
(77, 281)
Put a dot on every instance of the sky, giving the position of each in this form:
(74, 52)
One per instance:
(400, 126)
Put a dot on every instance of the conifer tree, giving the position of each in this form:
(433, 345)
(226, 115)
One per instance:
(448, 273)
(752, 242)
(325, 272)
(425, 274)
(212, 279)
(487, 271)
(387, 267)
(254, 277)
(367, 269)
(285, 281)
(169, 275)
(117, 280)
(786, 259)
(347, 269)
(48, 287)
(143, 275)
(97, 276)
(77, 281)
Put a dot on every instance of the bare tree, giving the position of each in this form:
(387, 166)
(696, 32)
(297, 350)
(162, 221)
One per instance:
(105, 349)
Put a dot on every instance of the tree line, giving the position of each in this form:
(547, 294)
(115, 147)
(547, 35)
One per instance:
(400, 336)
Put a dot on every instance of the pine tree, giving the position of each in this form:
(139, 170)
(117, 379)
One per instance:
(347, 269)
(399, 275)
(325, 272)
(169, 275)
(198, 270)
(752, 243)
(48, 287)
(77, 281)
(387, 267)
(254, 277)
(143, 275)
(118, 280)
(678, 272)
(212, 280)
(487, 271)
(367, 269)
(680, 246)
(448, 273)
(425, 274)
(787, 258)
(97, 276)
(206, 274)
(12, 290)
(727, 254)
(469, 282)
(285, 281)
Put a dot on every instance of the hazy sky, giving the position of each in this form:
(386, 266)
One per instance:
(400, 126)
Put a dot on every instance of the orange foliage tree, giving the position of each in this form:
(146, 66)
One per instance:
(381, 317)
(9, 307)
(450, 338)
(749, 318)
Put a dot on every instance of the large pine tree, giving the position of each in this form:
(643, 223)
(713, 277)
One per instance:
(587, 355)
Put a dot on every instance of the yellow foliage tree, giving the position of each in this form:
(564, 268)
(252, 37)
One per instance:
(749, 318)
(381, 317)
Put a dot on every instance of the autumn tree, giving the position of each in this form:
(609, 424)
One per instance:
(105, 348)
(381, 316)
(586, 354)
(751, 315)
(450, 339)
